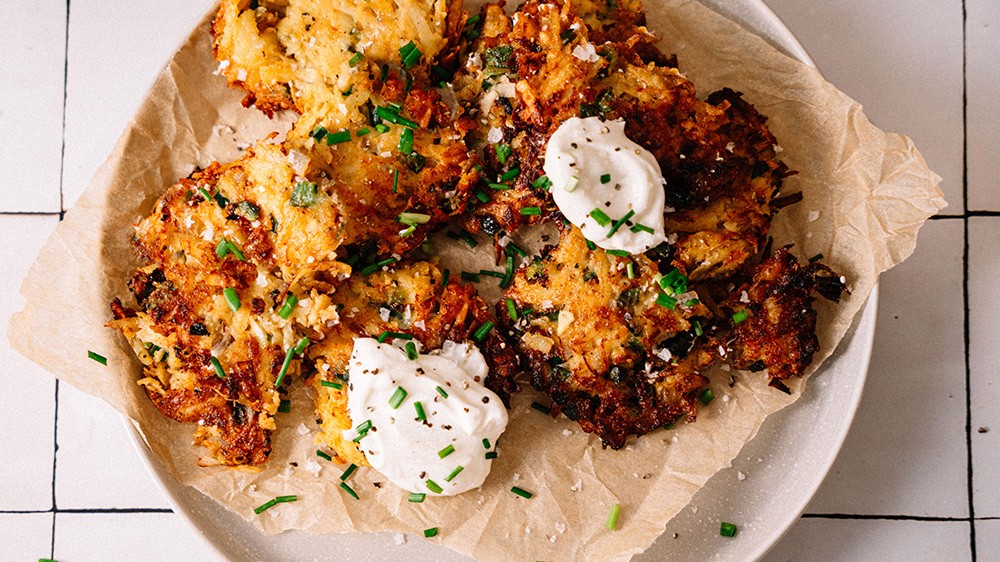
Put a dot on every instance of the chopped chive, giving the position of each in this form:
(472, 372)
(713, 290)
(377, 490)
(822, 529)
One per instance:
(727, 529)
(441, 391)
(612, 523)
(284, 368)
(692, 302)
(411, 352)
(513, 248)
(605, 178)
(591, 246)
(445, 276)
(816, 258)
(395, 335)
(697, 327)
(491, 455)
(382, 128)
(410, 54)
(543, 183)
(454, 473)
(319, 133)
(232, 298)
(222, 249)
(482, 331)
(204, 193)
(97, 357)
(512, 309)
(510, 174)
(406, 141)
(395, 180)
(416, 498)
(338, 137)
(541, 408)
(362, 132)
(490, 273)
(397, 397)
(618, 253)
(323, 455)
(531, 211)
(393, 117)
(286, 309)
(332, 384)
(739, 316)
(642, 228)
(666, 301)
(486, 443)
(432, 532)
(365, 426)
(271, 503)
(358, 57)
(470, 277)
(421, 415)
(345, 487)
(348, 471)
(572, 183)
(523, 493)
(498, 186)
(285, 406)
(482, 196)
(630, 270)
(413, 218)
(446, 451)
(432, 486)
(618, 224)
(503, 153)
(601, 217)
(706, 396)
(377, 266)
(219, 371)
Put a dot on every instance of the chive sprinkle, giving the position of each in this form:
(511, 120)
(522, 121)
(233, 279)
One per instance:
(543, 183)
(523, 493)
(498, 186)
(510, 174)
(816, 258)
(469, 239)
(204, 193)
(348, 472)
(482, 196)
(410, 54)
(541, 408)
(217, 366)
(666, 301)
(512, 309)
(482, 331)
(446, 451)
(491, 455)
(382, 128)
(345, 487)
(618, 253)
(454, 473)
(338, 138)
(416, 498)
(319, 133)
(612, 523)
(377, 266)
(411, 352)
(513, 248)
(531, 211)
(332, 384)
(591, 246)
(406, 141)
(432, 532)
(618, 224)
(421, 415)
(365, 426)
(441, 391)
(395, 180)
(358, 57)
(271, 503)
(445, 276)
(706, 396)
(601, 217)
(470, 277)
(572, 183)
(739, 316)
(727, 529)
(97, 357)
(697, 327)
(323, 455)
(642, 228)
(605, 178)
(393, 117)
(362, 132)
(432, 486)
(397, 397)
(232, 298)
(413, 218)
(486, 443)
(289, 306)
(503, 153)
(395, 335)
(301, 345)
(630, 270)
(285, 406)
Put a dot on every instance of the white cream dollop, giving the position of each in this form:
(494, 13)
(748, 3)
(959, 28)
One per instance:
(593, 165)
(407, 450)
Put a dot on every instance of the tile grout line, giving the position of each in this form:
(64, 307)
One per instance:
(970, 488)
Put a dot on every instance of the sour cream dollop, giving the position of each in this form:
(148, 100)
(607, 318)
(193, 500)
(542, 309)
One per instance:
(446, 450)
(593, 165)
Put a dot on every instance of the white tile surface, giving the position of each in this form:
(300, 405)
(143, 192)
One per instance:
(983, 75)
(902, 60)
(92, 445)
(906, 453)
(30, 409)
(110, 537)
(26, 537)
(31, 89)
(988, 540)
(834, 540)
(111, 44)
(984, 310)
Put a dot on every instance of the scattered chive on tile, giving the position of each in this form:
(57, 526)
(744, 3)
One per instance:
(612, 522)
(97, 357)
(446, 451)
(521, 492)
(347, 488)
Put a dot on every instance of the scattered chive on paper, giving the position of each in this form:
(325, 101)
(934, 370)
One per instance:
(521, 492)
(347, 488)
(491, 455)
(605, 178)
(271, 503)
(706, 396)
(612, 522)
(541, 408)
(432, 532)
(348, 472)
(97, 357)
(285, 406)
(486, 443)
(323, 455)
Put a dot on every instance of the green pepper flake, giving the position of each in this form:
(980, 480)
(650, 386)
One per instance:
(739, 316)
(97, 357)
(305, 193)
(612, 522)
(521, 492)
(232, 298)
(332, 384)
(441, 391)
(358, 57)
(432, 486)
(727, 529)
(432, 532)
(323, 455)
(706, 396)
(446, 451)
(454, 473)
(217, 366)
(601, 217)
(605, 178)
(416, 498)
(411, 351)
(482, 331)
(344, 486)
(531, 211)
(349, 470)
(421, 415)
(338, 137)
(289, 306)
(400, 395)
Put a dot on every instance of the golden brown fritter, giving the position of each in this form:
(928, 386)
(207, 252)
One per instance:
(411, 299)
(774, 323)
(598, 341)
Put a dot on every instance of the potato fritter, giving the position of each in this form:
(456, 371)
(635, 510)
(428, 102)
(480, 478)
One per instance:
(412, 299)
(603, 339)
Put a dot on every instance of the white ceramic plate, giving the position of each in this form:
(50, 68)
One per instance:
(765, 491)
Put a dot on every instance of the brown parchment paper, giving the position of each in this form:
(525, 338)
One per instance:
(866, 193)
